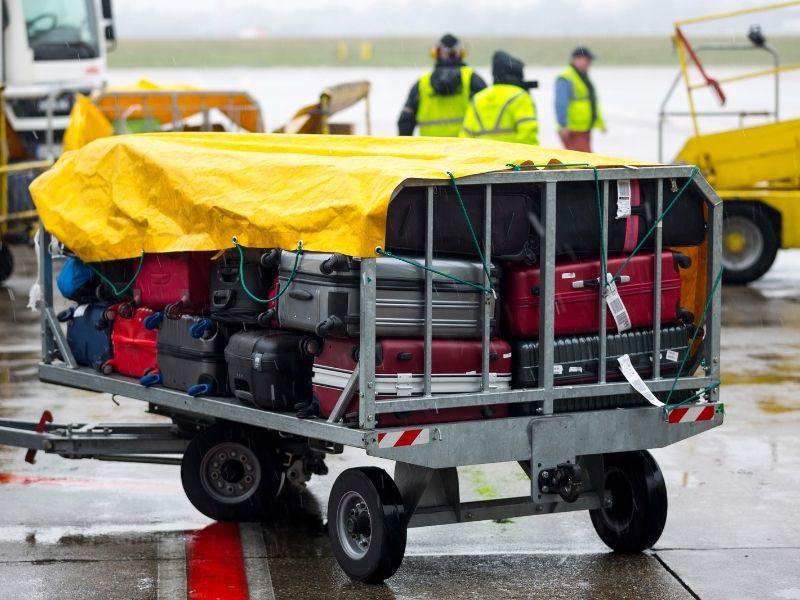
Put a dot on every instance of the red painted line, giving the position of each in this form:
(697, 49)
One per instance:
(707, 414)
(97, 484)
(408, 437)
(676, 415)
(381, 435)
(215, 564)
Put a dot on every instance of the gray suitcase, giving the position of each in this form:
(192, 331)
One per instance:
(324, 297)
(195, 365)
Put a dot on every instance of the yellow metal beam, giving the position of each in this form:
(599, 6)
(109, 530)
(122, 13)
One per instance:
(737, 13)
(26, 166)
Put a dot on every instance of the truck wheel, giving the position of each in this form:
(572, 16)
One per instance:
(6, 262)
(750, 242)
(231, 473)
(367, 524)
(638, 512)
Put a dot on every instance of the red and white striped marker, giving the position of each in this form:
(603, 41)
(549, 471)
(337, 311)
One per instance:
(399, 439)
(690, 414)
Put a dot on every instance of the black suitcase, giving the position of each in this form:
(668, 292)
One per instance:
(119, 272)
(575, 357)
(195, 365)
(511, 226)
(324, 297)
(228, 301)
(271, 369)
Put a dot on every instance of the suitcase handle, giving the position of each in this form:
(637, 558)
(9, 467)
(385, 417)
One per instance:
(265, 318)
(222, 299)
(200, 389)
(330, 324)
(228, 274)
(586, 283)
(160, 278)
(336, 262)
(303, 295)
(150, 379)
(65, 315)
(153, 321)
(681, 261)
(270, 259)
(245, 396)
(405, 356)
(197, 330)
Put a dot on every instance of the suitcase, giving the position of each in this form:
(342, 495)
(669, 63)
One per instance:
(195, 365)
(578, 223)
(511, 206)
(456, 369)
(575, 358)
(516, 219)
(118, 272)
(228, 301)
(324, 297)
(177, 281)
(88, 333)
(577, 289)
(271, 369)
(133, 344)
(77, 281)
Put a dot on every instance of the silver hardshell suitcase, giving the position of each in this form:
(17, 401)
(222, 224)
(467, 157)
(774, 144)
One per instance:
(324, 297)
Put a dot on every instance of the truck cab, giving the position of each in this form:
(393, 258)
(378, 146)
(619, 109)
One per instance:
(50, 50)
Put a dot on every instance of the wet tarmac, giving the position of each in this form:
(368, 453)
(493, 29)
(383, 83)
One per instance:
(90, 529)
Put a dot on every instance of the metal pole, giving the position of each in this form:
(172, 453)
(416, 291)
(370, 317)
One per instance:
(657, 283)
(366, 360)
(46, 288)
(547, 262)
(488, 298)
(428, 292)
(49, 141)
(602, 334)
(3, 163)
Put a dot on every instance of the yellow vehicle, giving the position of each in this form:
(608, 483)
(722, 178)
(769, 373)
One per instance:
(756, 169)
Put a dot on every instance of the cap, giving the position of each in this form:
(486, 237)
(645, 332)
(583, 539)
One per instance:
(449, 41)
(583, 51)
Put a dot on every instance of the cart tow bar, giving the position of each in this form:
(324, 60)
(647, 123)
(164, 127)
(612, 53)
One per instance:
(565, 479)
(47, 417)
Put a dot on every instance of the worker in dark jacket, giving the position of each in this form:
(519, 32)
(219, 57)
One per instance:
(577, 107)
(438, 101)
(504, 112)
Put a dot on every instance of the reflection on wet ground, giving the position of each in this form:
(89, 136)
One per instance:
(89, 529)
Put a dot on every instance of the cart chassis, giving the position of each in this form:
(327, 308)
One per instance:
(426, 473)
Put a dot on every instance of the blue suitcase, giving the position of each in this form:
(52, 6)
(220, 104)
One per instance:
(88, 333)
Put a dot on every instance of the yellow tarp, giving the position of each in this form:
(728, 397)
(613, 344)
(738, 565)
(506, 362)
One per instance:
(86, 124)
(167, 192)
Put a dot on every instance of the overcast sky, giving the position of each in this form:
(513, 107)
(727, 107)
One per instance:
(362, 18)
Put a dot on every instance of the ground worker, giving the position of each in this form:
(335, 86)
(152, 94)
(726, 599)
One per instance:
(577, 108)
(505, 111)
(438, 101)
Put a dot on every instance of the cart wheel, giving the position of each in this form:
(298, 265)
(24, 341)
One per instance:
(231, 473)
(638, 510)
(367, 524)
(6, 262)
(750, 242)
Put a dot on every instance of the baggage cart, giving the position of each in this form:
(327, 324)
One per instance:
(233, 456)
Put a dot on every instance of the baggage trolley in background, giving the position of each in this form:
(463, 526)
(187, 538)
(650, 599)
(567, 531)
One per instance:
(234, 456)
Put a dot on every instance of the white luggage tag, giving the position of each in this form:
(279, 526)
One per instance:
(404, 385)
(633, 377)
(80, 311)
(623, 198)
(616, 306)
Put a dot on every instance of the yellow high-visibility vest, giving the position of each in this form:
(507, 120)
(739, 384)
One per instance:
(579, 110)
(439, 115)
(502, 112)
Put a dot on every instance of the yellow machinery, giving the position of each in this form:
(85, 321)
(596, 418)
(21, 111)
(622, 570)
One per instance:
(755, 168)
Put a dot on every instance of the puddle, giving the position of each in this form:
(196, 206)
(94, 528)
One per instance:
(776, 407)
(759, 378)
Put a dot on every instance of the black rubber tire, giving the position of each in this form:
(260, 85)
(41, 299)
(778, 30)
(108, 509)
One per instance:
(638, 513)
(256, 505)
(388, 524)
(753, 213)
(6, 262)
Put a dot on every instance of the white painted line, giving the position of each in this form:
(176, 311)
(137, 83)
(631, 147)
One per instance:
(256, 565)
(171, 567)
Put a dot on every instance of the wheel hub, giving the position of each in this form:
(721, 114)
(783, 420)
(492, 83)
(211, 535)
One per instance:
(355, 525)
(230, 472)
(743, 243)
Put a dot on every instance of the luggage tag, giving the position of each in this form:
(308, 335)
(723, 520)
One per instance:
(633, 377)
(616, 306)
(80, 311)
(623, 198)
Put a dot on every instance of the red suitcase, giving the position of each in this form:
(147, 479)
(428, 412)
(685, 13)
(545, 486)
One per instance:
(577, 289)
(398, 373)
(179, 280)
(133, 345)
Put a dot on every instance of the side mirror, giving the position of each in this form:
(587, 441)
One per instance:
(106, 9)
(111, 37)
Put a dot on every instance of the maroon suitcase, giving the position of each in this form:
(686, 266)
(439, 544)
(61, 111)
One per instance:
(398, 374)
(576, 292)
(179, 280)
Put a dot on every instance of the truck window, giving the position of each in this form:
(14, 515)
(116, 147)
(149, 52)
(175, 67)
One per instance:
(61, 29)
